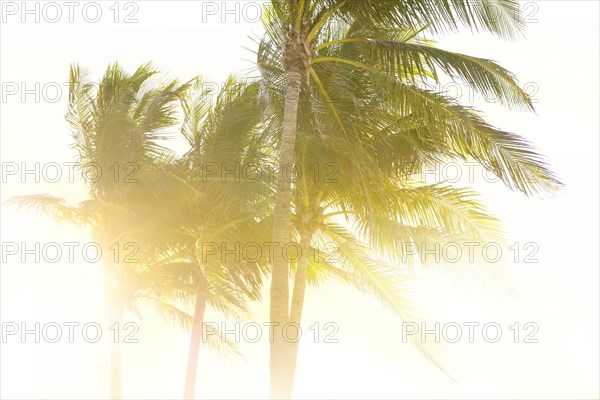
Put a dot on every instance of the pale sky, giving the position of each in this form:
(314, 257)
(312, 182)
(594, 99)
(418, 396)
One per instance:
(558, 58)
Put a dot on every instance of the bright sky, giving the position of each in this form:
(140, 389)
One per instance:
(558, 60)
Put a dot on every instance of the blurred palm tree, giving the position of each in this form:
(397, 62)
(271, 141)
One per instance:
(225, 137)
(177, 209)
(117, 126)
(118, 129)
(357, 73)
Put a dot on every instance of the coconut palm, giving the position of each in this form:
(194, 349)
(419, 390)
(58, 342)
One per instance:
(341, 56)
(175, 209)
(224, 136)
(117, 126)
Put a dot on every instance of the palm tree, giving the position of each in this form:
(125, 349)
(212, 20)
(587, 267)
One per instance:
(117, 126)
(224, 134)
(120, 126)
(171, 271)
(310, 50)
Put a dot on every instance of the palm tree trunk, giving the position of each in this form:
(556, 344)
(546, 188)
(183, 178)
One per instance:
(298, 303)
(300, 278)
(114, 311)
(279, 307)
(195, 339)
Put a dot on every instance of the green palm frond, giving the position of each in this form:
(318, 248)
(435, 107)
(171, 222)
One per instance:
(498, 17)
(451, 131)
(48, 205)
(419, 60)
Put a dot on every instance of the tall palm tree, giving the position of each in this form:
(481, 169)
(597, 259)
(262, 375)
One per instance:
(174, 209)
(117, 126)
(224, 136)
(310, 43)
